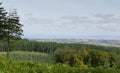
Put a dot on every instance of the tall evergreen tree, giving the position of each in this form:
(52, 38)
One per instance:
(13, 28)
(10, 27)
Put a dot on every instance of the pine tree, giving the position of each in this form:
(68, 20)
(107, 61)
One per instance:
(13, 28)
(10, 27)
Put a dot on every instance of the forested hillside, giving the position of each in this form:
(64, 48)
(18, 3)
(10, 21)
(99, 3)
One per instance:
(50, 47)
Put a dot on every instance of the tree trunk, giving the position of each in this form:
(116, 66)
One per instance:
(8, 45)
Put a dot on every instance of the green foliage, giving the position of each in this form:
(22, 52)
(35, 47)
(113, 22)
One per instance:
(10, 26)
(87, 58)
(68, 56)
(28, 56)
(13, 26)
(50, 47)
(3, 14)
(11, 66)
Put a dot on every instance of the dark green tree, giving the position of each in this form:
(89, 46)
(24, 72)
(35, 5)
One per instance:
(3, 14)
(13, 28)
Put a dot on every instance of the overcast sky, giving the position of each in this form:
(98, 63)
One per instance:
(68, 18)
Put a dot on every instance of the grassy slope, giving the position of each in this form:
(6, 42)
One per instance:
(28, 56)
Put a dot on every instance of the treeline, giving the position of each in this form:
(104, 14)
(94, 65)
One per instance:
(87, 58)
(50, 47)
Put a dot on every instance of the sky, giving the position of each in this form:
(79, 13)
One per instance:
(70, 19)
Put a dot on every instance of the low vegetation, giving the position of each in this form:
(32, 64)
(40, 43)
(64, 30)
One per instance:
(11, 66)
(28, 56)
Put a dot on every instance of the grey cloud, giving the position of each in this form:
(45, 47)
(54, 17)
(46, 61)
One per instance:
(28, 14)
(110, 27)
(107, 18)
(74, 20)
(108, 22)
(38, 21)
(104, 16)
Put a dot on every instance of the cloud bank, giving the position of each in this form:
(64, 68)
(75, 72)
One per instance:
(105, 22)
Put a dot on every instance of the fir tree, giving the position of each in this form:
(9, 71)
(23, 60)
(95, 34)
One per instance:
(13, 28)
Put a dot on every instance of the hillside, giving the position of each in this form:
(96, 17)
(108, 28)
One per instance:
(114, 43)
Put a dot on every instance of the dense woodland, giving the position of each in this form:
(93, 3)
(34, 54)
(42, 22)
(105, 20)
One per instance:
(50, 47)
(19, 55)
